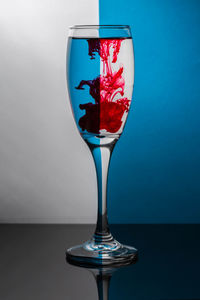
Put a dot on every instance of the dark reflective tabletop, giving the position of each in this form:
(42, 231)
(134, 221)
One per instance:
(33, 265)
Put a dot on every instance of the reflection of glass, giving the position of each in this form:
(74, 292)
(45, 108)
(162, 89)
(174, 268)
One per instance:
(102, 277)
(100, 73)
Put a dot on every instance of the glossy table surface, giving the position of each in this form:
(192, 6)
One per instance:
(33, 265)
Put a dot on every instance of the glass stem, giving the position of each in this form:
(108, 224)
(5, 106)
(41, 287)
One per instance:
(102, 154)
(103, 282)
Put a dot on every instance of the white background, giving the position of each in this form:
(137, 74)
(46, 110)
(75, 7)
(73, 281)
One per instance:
(46, 170)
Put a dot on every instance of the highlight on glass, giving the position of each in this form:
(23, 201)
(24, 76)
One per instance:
(100, 77)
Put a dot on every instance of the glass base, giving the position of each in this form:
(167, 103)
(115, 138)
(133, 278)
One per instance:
(102, 253)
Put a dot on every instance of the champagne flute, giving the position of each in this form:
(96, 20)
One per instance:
(100, 76)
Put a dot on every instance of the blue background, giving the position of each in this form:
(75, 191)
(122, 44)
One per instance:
(155, 169)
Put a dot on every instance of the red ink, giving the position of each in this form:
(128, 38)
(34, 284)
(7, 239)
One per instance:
(94, 46)
(107, 90)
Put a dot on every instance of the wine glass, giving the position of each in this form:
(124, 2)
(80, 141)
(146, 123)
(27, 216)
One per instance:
(100, 76)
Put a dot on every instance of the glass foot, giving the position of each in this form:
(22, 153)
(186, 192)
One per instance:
(102, 253)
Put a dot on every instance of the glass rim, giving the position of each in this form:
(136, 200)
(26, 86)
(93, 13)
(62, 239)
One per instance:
(99, 27)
